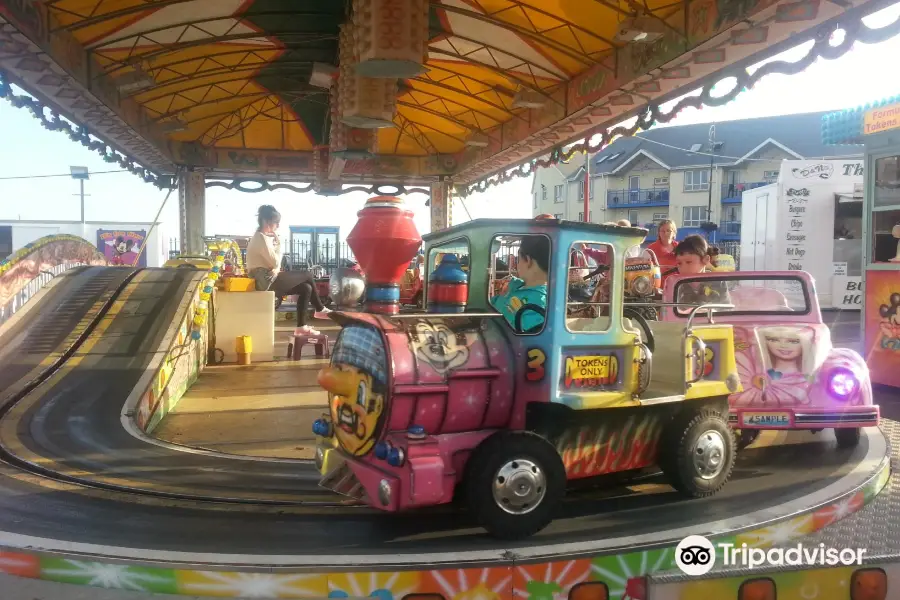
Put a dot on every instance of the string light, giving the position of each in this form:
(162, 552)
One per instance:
(201, 314)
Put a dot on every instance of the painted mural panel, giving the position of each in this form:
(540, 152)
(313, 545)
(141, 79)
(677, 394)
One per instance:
(121, 247)
(882, 326)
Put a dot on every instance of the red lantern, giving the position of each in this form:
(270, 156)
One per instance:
(384, 240)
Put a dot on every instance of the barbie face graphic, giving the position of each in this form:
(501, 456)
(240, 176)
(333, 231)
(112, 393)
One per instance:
(785, 347)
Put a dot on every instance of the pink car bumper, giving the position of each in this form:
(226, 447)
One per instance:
(804, 418)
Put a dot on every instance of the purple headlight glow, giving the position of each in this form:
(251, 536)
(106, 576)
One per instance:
(842, 383)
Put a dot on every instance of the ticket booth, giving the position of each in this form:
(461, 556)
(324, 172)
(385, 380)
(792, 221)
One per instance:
(877, 126)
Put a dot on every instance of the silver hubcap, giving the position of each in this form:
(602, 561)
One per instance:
(519, 486)
(709, 454)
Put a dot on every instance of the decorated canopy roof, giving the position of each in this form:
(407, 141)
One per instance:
(391, 91)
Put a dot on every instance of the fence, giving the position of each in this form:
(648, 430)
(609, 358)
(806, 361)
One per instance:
(733, 248)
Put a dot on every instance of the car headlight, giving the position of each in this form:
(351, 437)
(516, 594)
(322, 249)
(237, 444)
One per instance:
(842, 383)
(641, 286)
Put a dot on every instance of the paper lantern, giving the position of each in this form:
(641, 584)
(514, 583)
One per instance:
(391, 38)
(365, 102)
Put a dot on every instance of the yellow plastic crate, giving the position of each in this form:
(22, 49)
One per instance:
(239, 284)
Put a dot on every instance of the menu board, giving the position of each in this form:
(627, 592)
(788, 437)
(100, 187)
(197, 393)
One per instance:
(797, 229)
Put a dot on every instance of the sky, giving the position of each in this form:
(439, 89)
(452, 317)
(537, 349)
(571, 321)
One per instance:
(30, 150)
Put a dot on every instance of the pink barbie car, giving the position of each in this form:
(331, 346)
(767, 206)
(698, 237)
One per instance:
(791, 375)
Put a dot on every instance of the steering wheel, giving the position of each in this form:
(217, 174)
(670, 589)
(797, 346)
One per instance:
(521, 312)
(634, 315)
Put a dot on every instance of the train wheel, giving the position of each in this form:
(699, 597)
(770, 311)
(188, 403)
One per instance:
(847, 437)
(515, 483)
(745, 437)
(698, 454)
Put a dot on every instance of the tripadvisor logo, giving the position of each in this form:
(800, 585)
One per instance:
(695, 555)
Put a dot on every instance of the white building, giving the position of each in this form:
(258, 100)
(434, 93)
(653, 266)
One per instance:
(16, 234)
(674, 173)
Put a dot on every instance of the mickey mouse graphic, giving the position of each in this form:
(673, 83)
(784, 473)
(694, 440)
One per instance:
(120, 247)
(890, 320)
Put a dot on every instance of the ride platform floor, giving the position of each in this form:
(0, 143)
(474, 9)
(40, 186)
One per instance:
(267, 409)
(264, 409)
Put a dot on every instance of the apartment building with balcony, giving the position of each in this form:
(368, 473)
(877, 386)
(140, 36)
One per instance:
(674, 173)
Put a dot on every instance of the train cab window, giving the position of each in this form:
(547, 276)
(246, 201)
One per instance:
(591, 269)
(458, 248)
(519, 272)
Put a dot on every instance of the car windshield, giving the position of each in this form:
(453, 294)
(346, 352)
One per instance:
(750, 295)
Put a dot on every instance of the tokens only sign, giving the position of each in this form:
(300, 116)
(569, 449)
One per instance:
(591, 371)
(880, 119)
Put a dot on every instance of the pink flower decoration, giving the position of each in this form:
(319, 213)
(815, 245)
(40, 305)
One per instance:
(791, 389)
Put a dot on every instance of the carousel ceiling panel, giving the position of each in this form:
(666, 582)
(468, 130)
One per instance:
(237, 85)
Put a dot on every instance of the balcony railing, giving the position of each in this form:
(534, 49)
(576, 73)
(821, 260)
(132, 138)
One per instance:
(641, 197)
(731, 192)
(730, 229)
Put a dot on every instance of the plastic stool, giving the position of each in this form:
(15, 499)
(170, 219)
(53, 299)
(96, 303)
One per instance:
(321, 343)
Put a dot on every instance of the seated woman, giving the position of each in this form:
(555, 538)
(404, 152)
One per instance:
(692, 256)
(529, 288)
(264, 260)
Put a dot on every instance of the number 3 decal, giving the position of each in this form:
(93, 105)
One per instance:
(536, 359)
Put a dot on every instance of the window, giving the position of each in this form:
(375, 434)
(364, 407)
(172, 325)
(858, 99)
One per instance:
(581, 191)
(887, 181)
(5, 241)
(885, 246)
(770, 175)
(633, 216)
(758, 295)
(587, 305)
(590, 216)
(458, 247)
(693, 216)
(543, 192)
(535, 200)
(557, 193)
(523, 304)
(453, 250)
(593, 181)
(696, 181)
(657, 217)
(660, 181)
(634, 182)
(557, 215)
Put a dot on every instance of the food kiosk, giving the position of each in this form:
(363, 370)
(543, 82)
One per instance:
(878, 127)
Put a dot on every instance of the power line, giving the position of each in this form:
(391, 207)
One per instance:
(60, 175)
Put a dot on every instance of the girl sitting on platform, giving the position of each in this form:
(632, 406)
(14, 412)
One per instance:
(264, 265)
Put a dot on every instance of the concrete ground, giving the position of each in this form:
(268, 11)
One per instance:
(265, 409)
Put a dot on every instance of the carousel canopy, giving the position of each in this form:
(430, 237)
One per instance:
(391, 91)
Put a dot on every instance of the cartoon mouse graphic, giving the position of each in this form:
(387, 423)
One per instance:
(120, 247)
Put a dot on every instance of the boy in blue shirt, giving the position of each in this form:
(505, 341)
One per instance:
(530, 287)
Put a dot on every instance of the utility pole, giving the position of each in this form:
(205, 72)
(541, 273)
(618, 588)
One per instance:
(709, 226)
(81, 174)
(587, 182)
